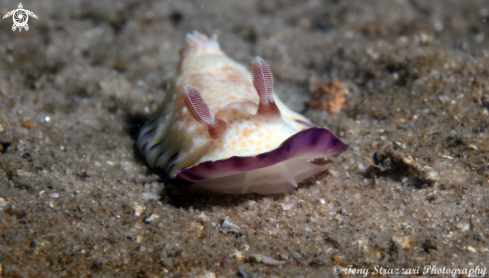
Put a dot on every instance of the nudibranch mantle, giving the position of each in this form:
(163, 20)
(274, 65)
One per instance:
(219, 127)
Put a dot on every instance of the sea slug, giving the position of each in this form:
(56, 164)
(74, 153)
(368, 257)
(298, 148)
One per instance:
(223, 129)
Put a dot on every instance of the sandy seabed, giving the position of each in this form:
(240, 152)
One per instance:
(77, 199)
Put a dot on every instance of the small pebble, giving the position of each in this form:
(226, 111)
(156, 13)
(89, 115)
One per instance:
(287, 206)
(254, 258)
(428, 174)
(138, 209)
(377, 158)
(270, 261)
(228, 227)
(239, 255)
(241, 274)
(150, 196)
(404, 241)
(464, 45)
(207, 275)
(176, 17)
(3, 203)
(463, 226)
(54, 195)
(150, 218)
(408, 160)
(479, 128)
(447, 156)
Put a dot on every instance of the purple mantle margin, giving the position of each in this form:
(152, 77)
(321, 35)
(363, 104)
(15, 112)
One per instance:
(307, 144)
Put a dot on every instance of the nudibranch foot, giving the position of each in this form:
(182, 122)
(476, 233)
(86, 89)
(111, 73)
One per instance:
(270, 172)
(279, 178)
(224, 129)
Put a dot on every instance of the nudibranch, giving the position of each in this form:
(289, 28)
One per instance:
(224, 129)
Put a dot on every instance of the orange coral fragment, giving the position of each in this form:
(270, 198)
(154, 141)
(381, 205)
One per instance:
(329, 96)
